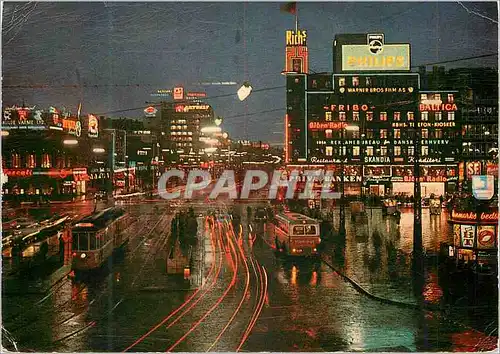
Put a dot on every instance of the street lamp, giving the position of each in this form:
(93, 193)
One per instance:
(342, 230)
(244, 91)
(98, 150)
(70, 142)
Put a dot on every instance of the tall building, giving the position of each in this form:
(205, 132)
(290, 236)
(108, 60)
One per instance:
(363, 117)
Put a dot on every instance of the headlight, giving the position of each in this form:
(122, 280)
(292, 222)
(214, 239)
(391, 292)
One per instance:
(83, 255)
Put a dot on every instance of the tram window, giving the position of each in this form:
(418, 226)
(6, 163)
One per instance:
(310, 230)
(83, 241)
(298, 230)
(94, 241)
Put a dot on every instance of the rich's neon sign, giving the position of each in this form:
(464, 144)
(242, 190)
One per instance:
(294, 39)
(327, 125)
(438, 107)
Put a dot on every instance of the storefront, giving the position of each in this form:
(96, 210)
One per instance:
(377, 180)
(437, 180)
(475, 239)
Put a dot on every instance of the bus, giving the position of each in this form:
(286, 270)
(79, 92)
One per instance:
(296, 235)
(95, 237)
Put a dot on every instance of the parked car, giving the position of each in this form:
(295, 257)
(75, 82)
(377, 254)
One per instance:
(101, 195)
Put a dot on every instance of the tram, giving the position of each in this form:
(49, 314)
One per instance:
(297, 235)
(97, 236)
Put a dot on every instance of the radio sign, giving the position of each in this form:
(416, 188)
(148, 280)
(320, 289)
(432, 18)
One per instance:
(298, 38)
(375, 55)
(327, 125)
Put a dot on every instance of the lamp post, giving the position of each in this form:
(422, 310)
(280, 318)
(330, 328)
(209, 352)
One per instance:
(342, 230)
(418, 257)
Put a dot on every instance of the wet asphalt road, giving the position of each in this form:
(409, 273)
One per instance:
(248, 299)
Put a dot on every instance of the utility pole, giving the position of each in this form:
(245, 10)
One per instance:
(418, 257)
(342, 230)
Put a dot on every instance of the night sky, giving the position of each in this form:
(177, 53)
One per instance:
(160, 45)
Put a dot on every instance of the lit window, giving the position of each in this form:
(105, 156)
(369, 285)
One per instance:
(355, 81)
(328, 133)
(341, 81)
(30, 161)
(424, 116)
(329, 151)
(397, 133)
(383, 133)
(328, 116)
(397, 115)
(425, 133)
(355, 116)
(410, 116)
(45, 161)
(383, 116)
(343, 150)
(451, 115)
(342, 116)
(369, 116)
(368, 81)
(438, 133)
(383, 151)
(355, 150)
(423, 96)
(437, 96)
(425, 150)
(397, 150)
(411, 150)
(314, 84)
(369, 150)
(451, 99)
(438, 116)
(369, 133)
(355, 134)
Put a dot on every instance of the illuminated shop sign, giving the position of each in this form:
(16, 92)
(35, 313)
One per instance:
(473, 168)
(73, 127)
(423, 124)
(492, 169)
(296, 38)
(17, 172)
(315, 159)
(196, 94)
(377, 89)
(411, 159)
(438, 107)
(377, 159)
(183, 108)
(359, 57)
(348, 107)
(178, 93)
(326, 125)
(150, 111)
(425, 179)
(472, 216)
(486, 237)
(93, 126)
(23, 118)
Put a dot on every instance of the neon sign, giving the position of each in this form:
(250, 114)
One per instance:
(182, 108)
(326, 125)
(196, 94)
(296, 39)
(178, 93)
(348, 107)
(74, 127)
(438, 107)
(472, 216)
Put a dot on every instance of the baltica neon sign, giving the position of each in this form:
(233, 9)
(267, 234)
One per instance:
(438, 107)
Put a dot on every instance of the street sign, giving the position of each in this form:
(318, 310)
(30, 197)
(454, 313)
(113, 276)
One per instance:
(483, 187)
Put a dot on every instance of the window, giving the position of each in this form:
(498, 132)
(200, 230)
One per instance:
(355, 151)
(397, 116)
(310, 230)
(328, 116)
(368, 81)
(369, 116)
(369, 150)
(383, 116)
(355, 81)
(397, 150)
(438, 133)
(437, 96)
(329, 151)
(425, 133)
(369, 133)
(342, 116)
(355, 134)
(451, 99)
(341, 81)
(30, 161)
(328, 133)
(314, 84)
(383, 151)
(355, 116)
(397, 133)
(383, 133)
(45, 161)
(425, 150)
(438, 116)
(298, 230)
(411, 150)
(451, 115)
(423, 96)
(424, 116)
(343, 150)
(410, 116)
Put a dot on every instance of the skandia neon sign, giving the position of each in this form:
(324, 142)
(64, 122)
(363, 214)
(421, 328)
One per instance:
(438, 107)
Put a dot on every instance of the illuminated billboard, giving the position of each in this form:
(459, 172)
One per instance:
(23, 118)
(297, 55)
(178, 93)
(93, 126)
(391, 57)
